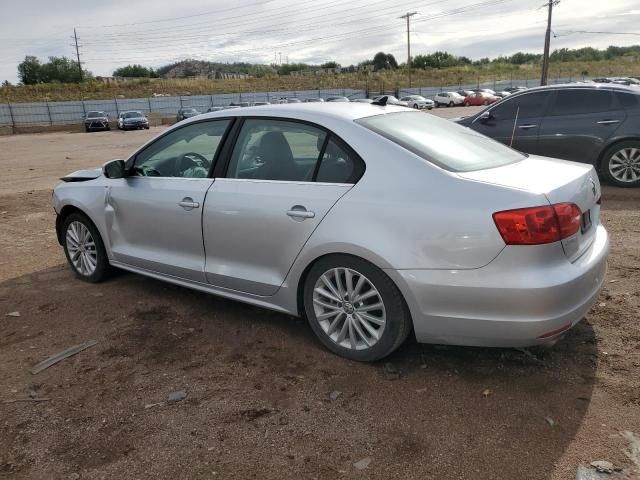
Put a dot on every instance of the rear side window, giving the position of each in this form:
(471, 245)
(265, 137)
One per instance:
(582, 101)
(628, 100)
(337, 165)
(526, 105)
(276, 150)
(441, 142)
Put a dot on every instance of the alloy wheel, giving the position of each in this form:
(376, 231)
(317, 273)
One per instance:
(349, 308)
(81, 248)
(624, 165)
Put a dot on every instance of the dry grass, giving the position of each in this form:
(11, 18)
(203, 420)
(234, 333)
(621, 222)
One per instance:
(374, 81)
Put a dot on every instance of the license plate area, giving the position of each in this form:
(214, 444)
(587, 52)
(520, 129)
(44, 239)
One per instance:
(585, 221)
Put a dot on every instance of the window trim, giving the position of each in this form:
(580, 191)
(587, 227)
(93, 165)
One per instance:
(613, 104)
(131, 161)
(225, 160)
(551, 96)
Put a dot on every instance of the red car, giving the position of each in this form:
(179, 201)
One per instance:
(480, 98)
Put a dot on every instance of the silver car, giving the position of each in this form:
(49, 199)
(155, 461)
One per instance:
(372, 221)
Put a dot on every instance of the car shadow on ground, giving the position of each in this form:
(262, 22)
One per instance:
(263, 395)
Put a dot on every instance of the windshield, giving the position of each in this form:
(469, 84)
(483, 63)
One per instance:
(450, 146)
(95, 114)
(133, 115)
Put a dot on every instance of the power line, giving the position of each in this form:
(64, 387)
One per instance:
(342, 36)
(571, 32)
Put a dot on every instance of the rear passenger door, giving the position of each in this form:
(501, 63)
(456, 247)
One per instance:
(578, 124)
(516, 121)
(282, 178)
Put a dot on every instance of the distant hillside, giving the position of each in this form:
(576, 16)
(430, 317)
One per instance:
(211, 70)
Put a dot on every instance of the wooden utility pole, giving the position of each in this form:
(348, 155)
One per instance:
(547, 42)
(75, 38)
(408, 16)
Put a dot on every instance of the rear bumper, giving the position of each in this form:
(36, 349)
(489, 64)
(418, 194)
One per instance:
(509, 302)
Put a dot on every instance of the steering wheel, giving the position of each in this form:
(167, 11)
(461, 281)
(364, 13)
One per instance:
(191, 159)
(148, 171)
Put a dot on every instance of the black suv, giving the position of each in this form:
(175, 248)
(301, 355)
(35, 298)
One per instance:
(589, 123)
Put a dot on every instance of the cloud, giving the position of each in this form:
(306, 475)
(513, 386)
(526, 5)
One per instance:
(119, 32)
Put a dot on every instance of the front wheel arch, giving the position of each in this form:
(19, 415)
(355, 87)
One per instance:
(61, 217)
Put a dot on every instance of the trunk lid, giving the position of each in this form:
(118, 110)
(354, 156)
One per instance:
(560, 181)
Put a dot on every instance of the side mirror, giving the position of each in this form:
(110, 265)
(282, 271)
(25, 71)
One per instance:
(484, 117)
(114, 169)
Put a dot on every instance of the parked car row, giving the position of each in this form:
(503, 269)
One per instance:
(129, 120)
(629, 81)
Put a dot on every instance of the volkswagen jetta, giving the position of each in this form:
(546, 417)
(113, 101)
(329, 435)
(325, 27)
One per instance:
(372, 221)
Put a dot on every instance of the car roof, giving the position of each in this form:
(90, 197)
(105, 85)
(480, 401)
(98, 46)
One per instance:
(312, 111)
(586, 86)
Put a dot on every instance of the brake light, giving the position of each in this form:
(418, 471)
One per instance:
(538, 225)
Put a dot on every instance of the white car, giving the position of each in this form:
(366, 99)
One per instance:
(448, 98)
(418, 102)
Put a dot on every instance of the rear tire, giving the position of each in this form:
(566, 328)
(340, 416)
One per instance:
(621, 164)
(368, 321)
(84, 248)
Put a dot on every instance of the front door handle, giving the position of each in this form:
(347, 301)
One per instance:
(607, 122)
(298, 211)
(527, 127)
(188, 204)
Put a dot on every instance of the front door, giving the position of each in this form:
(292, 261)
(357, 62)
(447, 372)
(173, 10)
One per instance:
(283, 178)
(516, 121)
(154, 215)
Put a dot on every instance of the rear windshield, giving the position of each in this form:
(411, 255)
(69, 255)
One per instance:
(442, 142)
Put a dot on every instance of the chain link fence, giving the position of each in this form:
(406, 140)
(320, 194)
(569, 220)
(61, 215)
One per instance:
(60, 113)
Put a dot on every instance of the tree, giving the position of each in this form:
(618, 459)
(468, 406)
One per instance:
(29, 71)
(6, 83)
(57, 69)
(330, 65)
(135, 71)
(384, 61)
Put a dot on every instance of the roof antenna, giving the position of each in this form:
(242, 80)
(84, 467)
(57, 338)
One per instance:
(382, 101)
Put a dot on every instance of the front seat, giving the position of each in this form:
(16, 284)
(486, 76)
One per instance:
(278, 162)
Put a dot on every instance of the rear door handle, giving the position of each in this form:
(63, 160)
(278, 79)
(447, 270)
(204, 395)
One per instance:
(299, 211)
(607, 122)
(527, 127)
(188, 204)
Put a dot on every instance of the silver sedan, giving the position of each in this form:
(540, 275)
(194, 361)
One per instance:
(372, 221)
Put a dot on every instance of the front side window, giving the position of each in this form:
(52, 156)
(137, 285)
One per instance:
(441, 142)
(276, 150)
(187, 152)
(526, 105)
(582, 101)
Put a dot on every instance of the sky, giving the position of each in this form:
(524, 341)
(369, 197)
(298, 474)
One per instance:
(153, 33)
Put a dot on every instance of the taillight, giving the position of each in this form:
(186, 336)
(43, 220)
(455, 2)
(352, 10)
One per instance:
(538, 225)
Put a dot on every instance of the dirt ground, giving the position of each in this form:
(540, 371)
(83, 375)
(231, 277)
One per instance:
(262, 394)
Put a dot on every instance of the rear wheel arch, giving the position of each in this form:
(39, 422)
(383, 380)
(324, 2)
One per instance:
(305, 273)
(610, 144)
(399, 324)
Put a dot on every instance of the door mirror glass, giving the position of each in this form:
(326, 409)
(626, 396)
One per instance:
(114, 169)
(484, 117)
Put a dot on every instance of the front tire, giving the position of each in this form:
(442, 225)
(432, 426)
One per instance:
(621, 164)
(354, 308)
(84, 248)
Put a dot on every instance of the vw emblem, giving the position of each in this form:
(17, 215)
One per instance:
(593, 186)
